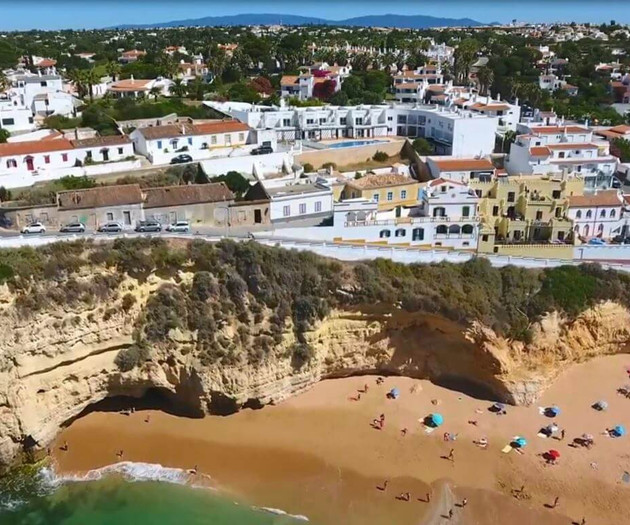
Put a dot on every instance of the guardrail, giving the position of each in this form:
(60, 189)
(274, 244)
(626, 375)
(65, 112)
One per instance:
(344, 252)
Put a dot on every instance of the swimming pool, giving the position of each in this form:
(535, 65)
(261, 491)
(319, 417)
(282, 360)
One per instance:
(353, 143)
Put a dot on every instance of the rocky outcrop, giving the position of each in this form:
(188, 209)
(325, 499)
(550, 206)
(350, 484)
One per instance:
(55, 364)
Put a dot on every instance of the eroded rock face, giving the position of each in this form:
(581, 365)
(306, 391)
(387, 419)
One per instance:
(54, 365)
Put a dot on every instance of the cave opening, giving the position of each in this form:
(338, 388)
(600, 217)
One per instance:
(153, 398)
(467, 386)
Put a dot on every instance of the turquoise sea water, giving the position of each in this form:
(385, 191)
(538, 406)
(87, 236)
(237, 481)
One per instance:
(33, 499)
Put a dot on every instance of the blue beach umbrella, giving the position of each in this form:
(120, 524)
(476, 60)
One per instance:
(552, 411)
(499, 407)
(394, 392)
(437, 419)
(619, 430)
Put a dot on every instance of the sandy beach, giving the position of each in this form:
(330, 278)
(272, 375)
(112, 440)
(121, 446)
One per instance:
(318, 454)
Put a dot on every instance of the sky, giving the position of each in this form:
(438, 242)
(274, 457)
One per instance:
(79, 14)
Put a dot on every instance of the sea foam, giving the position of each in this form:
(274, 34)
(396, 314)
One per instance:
(128, 470)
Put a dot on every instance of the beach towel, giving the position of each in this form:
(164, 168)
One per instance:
(429, 430)
(541, 411)
(542, 435)
(507, 449)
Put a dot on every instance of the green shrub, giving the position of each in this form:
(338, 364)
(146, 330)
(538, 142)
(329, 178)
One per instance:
(327, 165)
(128, 301)
(308, 167)
(380, 156)
(134, 356)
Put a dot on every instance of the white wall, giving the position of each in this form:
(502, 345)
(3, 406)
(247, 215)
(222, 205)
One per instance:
(292, 204)
(266, 164)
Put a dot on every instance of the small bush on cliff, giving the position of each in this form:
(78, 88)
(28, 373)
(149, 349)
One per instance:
(128, 301)
(165, 311)
(131, 357)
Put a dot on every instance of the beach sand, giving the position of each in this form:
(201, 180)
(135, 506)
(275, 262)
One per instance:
(318, 455)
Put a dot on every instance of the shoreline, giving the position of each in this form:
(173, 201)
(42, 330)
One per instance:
(316, 454)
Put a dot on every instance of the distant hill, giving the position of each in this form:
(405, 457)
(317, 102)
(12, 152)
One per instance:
(411, 22)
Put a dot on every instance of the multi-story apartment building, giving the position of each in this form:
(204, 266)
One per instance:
(389, 191)
(451, 131)
(525, 209)
(563, 150)
(600, 214)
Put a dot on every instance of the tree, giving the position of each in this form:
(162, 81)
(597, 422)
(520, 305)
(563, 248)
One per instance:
(5, 195)
(178, 88)
(262, 85)
(91, 78)
(235, 181)
(422, 146)
(324, 90)
(4, 135)
(4, 81)
(155, 91)
(113, 69)
(619, 148)
(485, 77)
(242, 92)
(464, 57)
(77, 77)
(218, 61)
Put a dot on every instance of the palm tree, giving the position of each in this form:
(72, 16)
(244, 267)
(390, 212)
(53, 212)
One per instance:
(155, 91)
(218, 62)
(4, 81)
(485, 77)
(77, 77)
(113, 69)
(91, 78)
(178, 88)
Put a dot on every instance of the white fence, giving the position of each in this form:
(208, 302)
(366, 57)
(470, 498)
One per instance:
(336, 251)
(24, 179)
(615, 252)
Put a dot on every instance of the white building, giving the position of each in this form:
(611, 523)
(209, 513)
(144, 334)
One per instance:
(15, 118)
(160, 143)
(58, 154)
(600, 214)
(461, 169)
(305, 86)
(563, 150)
(295, 202)
(27, 87)
(452, 131)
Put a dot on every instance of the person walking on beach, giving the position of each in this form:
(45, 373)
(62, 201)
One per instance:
(464, 502)
(428, 497)
(450, 514)
(451, 455)
(382, 421)
(64, 447)
(119, 454)
(555, 502)
(562, 435)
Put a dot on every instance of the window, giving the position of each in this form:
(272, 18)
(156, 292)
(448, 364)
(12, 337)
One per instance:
(120, 151)
(318, 206)
(561, 155)
(43, 83)
(484, 238)
(384, 234)
(612, 213)
(539, 215)
(310, 121)
(375, 197)
(555, 194)
(30, 120)
(578, 215)
(402, 119)
(417, 234)
(602, 213)
(465, 211)
(159, 144)
(439, 212)
(110, 216)
(600, 229)
(302, 209)
(441, 229)
(342, 121)
(127, 217)
(510, 196)
(359, 121)
(517, 235)
(467, 229)
(589, 214)
(479, 193)
(11, 163)
(46, 159)
(64, 157)
(241, 137)
(286, 211)
(390, 195)
(454, 228)
(403, 194)
(88, 155)
(8, 121)
(286, 122)
(558, 212)
(190, 141)
(213, 139)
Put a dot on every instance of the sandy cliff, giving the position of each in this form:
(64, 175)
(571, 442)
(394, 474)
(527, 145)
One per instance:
(55, 364)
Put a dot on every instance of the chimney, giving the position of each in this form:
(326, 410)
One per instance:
(132, 79)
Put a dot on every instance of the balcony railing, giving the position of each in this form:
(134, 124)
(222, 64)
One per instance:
(401, 221)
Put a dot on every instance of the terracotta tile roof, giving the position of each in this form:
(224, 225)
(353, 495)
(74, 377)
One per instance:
(94, 142)
(622, 129)
(187, 129)
(440, 180)
(189, 194)
(463, 164)
(133, 53)
(34, 146)
(601, 198)
(540, 151)
(496, 107)
(381, 181)
(136, 84)
(553, 130)
(100, 197)
(289, 80)
(569, 146)
(408, 85)
(46, 62)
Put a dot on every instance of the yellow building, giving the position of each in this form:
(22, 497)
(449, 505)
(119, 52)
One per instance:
(388, 190)
(524, 209)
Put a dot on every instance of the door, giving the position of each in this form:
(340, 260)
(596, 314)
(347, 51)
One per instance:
(257, 217)
(173, 217)
(29, 164)
(127, 218)
(105, 153)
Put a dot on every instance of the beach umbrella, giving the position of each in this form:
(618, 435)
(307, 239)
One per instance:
(520, 442)
(499, 407)
(554, 454)
(437, 419)
(394, 392)
(555, 410)
(601, 405)
(620, 430)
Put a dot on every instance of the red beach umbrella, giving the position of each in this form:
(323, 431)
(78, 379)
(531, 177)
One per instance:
(554, 454)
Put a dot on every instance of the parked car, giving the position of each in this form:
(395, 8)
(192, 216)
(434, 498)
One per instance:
(110, 227)
(181, 159)
(73, 227)
(149, 226)
(262, 150)
(621, 239)
(34, 227)
(596, 241)
(179, 227)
